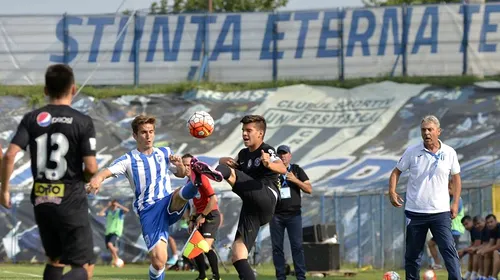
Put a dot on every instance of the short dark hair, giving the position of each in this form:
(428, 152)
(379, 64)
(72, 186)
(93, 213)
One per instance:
(187, 156)
(259, 121)
(478, 219)
(58, 80)
(466, 218)
(142, 119)
(491, 216)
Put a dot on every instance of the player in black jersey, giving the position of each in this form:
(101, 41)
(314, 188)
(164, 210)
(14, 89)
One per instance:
(254, 176)
(60, 139)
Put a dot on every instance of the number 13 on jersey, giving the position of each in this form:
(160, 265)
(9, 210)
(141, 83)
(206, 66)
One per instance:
(56, 153)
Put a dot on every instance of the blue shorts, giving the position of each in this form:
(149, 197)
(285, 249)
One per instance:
(155, 220)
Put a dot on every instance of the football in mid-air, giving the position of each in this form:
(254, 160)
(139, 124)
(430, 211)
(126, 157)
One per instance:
(430, 275)
(200, 124)
(391, 275)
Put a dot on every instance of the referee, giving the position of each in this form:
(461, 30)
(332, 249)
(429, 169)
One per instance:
(430, 164)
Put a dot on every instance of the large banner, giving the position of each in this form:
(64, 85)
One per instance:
(364, 42)
(347, 141)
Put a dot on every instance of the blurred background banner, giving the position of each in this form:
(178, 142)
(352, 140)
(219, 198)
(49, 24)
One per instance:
(347, 141)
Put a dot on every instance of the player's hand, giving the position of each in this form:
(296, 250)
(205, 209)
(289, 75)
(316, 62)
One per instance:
(265, 158)
(291, 177)
(454, 210)
(5, 200)
(93, 186)
(190, 227)
(396, 200)
(229, 162)
(200, 221)
(175, 159)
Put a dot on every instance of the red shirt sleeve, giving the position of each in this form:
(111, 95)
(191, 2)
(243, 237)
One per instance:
(206, 188)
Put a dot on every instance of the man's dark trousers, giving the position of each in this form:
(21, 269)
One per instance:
(417, 226)
(293, 225)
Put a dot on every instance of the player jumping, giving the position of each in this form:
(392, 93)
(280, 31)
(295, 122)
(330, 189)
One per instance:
(147, 169)
(254, 176)
(60, 139)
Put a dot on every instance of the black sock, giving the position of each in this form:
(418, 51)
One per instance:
(214, 264)
(244, 270)
(224, 170)
(201, 265)
(76, 273)
(52, 272)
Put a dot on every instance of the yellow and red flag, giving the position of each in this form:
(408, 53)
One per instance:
(195, 245)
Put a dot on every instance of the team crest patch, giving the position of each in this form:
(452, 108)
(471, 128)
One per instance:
(158, 157)
(249, 164)
(257, 162)
(43, 119)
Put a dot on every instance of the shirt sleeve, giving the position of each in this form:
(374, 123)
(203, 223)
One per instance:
(119, 166)
(206, 187)
(272, 154)
(404, 162)
(301, 174)
(88, 141)
(455, 166)
(21, 138)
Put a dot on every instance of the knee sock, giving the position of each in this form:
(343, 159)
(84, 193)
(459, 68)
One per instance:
(76, 273)
(224, 170)
(244, 269)
(188, 191)
(52, 272)
(214, 264)
(156, 274)
(201, 265)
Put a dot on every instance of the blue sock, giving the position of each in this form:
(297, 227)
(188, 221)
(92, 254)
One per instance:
(188, 191)
(156, 274)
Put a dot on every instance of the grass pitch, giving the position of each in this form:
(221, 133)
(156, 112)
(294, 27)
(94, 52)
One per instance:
(131, 271)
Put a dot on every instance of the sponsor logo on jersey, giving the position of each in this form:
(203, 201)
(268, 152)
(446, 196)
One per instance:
(64, 120)
(43, 119)
(257, 162)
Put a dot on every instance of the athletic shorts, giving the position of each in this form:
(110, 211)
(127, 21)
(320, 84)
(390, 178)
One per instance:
(211, 225)
(110, 238)
(155, 220)
(259, 202)
(66, 234)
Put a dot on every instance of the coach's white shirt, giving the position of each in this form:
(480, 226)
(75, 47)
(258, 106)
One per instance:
(427, 189)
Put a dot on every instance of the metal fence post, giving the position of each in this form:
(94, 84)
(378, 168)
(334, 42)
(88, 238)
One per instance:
(465, 38)
(137, 41)
(341, 12)
(65, 39)
(359, 231)
(404, 39)
(322, 209)
(382, 248)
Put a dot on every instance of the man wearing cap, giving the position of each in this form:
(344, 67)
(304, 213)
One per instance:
(288, 216)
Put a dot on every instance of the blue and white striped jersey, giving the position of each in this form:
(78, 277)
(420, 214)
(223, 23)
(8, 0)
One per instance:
(148, 175)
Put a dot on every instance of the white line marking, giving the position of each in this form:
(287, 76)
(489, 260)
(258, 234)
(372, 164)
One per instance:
(19, 273)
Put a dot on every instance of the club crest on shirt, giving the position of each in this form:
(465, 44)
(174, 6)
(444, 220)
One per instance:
(256, 162)
(158, 157)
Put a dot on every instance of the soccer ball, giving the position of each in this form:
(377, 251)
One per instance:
(391, 275)
(429, 275)
(119, 263)
(200, 124)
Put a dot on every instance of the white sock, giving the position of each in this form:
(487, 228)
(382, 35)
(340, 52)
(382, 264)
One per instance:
(467, 275)
(153, 271)
(473, 276)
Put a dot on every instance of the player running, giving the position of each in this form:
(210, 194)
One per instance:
(207, 219)
(254, 176)
(60, 139)
(147, 169)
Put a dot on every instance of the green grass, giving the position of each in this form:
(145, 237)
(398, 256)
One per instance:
(140, 272)
(35, 93)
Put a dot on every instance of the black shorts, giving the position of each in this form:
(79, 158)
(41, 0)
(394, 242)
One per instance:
(110, 238)
(66, 234)
(259, 202)
(211, 225)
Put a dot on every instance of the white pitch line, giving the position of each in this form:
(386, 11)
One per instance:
(19, 273)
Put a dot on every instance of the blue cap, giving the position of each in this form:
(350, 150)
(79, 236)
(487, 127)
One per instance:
(283, 148)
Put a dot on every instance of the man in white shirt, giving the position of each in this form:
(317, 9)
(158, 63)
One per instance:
(430, 165)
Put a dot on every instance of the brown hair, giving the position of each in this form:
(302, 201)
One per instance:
(58, 80)
(259, 121)
(140, 120)
(187, 156)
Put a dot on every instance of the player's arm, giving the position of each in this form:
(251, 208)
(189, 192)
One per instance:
(19, 142)
(118, 167)
(88, 147)
(209, 192)
(176, 166)
(102, 213)
(229, 161)
(124, 209)
(273, 162)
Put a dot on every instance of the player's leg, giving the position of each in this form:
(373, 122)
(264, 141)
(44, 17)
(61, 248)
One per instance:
(246, 234)
(488, 264)
(49, 234)
(441, 232)
(434, 254)
(109, 242)
(209, 231)
(496, 264)
(416, 233)
(173, 247)
(277, 231)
